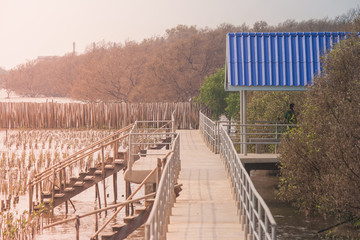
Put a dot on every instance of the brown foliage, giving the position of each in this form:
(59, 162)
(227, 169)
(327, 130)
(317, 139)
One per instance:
(168, 68)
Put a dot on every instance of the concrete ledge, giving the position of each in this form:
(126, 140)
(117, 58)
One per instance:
(259, 158)
(144, 165)
(260, 161)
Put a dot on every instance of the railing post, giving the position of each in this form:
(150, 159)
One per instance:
(273, 232)
(53, 192)
(147, 231)
(103, 175)
(102, 161)
(173, 127)
(260, 216)
(41, 196)
(267, 225)
(129, 165)
(115, 152)
(37, 192)
(60, 179)
(158, 173)
(64, 174)
(276, 135)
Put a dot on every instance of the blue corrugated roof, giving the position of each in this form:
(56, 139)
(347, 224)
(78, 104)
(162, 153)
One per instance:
(275, 61)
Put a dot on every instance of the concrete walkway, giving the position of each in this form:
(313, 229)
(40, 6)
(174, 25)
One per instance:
(205, 208)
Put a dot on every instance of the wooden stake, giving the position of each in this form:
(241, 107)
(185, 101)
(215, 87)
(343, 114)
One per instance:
(97, 194)
(77, 226)
(96, 222)
(115, 187)
(127, 194)
(30, 196)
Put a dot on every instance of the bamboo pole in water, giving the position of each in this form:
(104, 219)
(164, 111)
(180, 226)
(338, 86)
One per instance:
(99, 115)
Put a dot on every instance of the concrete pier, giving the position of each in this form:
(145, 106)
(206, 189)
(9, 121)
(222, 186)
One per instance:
(259, 161)
(205, 208)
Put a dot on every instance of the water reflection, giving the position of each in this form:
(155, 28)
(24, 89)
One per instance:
(290, 223)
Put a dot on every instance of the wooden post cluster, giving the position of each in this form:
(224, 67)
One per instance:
(93, 115)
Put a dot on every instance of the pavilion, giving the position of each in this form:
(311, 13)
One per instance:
(280, 61)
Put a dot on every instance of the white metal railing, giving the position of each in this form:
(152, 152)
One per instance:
(156, 225)
(255, 216)
(255, 133)
(209, 130)
(147, 134)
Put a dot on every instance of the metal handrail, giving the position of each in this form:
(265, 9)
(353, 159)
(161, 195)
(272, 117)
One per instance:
(269, 131)
(254, 212)
(255, 215)
(210, 132)
(133, 133)
(156, 225)
(69, 158)
(140, 137)
(122, 206)
(57, 171)
(150, 195)
(71, 161)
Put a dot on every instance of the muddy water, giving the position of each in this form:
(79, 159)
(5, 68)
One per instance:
(84, 203)
(290, 223)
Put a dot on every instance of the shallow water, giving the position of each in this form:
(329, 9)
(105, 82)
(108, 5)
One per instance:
(84, 203)
(291, 224)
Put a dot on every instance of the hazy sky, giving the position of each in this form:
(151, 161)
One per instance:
(32, 28)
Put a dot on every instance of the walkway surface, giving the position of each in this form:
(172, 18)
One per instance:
(205, 208)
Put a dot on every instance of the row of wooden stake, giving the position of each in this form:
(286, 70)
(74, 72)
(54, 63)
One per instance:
(93, 115)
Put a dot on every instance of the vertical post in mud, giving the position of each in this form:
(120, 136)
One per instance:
(77, 226)
(115, 186)
(96, 223)
(30, 196)
(103, 175)
(97, 194)
(127, 192)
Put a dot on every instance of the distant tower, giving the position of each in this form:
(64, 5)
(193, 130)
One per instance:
(74, 48)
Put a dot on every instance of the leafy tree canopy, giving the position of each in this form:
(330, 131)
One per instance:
(212, 94)
(320, 170)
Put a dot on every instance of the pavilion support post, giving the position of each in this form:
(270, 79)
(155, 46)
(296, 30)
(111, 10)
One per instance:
(241, 127)
(243, 121)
